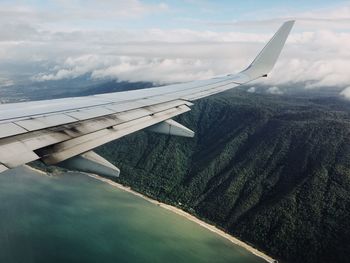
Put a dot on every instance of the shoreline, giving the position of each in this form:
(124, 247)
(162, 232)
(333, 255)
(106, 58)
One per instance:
(188, 216)
(35, 170)
(177, 211)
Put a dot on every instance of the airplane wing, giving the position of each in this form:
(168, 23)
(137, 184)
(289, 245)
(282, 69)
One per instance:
(65, 131)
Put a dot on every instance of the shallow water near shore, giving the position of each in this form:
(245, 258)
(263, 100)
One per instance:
(75, 218)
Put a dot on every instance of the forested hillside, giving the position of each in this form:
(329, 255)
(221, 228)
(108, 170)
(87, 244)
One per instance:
(272, 170)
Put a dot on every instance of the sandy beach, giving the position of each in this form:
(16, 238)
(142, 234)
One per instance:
(179, 212)
(189, 217)
(35, 170)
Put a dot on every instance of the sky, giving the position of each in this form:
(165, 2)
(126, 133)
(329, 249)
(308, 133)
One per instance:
(172, 41)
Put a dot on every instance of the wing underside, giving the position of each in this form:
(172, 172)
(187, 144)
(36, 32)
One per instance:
(57, 131)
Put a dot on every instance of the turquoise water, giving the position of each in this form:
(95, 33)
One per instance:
(74, 218)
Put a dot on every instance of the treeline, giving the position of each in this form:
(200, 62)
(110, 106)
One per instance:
(272, 170)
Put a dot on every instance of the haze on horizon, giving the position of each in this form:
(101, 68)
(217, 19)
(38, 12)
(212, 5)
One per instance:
(171, 41)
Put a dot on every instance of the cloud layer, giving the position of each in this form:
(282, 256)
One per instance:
(43, 44)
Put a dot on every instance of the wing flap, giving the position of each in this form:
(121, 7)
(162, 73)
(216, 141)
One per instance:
(80, 118)
(38, 123)
(21, 149)
(15, 154)
(10, 129)
(91, 113)
(67, 149)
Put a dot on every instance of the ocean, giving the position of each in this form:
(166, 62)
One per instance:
(75, 218)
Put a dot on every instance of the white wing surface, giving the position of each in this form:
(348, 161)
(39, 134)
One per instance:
(65, 131)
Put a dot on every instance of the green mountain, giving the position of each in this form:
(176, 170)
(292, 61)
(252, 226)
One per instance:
(272, 170)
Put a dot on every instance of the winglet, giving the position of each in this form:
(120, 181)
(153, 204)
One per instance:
(267, 58)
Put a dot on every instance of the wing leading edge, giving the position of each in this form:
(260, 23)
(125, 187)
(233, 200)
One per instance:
(65, 131)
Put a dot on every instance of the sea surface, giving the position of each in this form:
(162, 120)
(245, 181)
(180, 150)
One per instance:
(75, 218)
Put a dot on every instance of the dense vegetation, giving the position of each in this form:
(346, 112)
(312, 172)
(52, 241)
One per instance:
(272, 170)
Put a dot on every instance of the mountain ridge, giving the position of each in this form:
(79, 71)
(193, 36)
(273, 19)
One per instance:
(272, 170)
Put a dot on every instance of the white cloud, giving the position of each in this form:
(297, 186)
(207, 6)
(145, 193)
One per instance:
(317, 58)
(4, 82)
(317, 52)
(77, 10)
(251, 90)
(156, 70)
(328, 18)
(274, 90)
(320, 58)
(73, 67)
